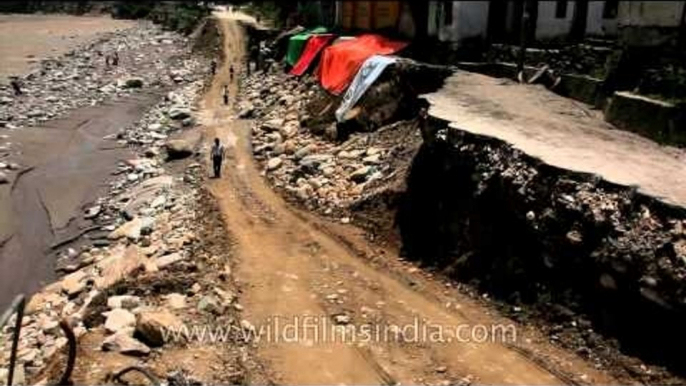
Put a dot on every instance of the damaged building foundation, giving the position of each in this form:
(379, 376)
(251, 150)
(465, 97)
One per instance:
(593, 260)
(588, 257)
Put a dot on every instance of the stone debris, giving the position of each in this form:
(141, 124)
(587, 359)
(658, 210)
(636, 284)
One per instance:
(149, 58)
(152, 327)
(146, 219)
(119, 319)
(323, 174)
(123, 342)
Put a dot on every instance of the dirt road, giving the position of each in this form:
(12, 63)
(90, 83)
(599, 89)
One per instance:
(292, 265)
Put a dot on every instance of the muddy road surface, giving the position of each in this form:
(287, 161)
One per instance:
(65, 166)
(316, 277)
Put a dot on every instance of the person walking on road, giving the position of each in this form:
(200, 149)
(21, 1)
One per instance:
(231, 73)
(225, 95)
(213, 67)
(217, 154)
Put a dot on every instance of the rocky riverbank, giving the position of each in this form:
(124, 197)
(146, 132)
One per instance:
(148, 57)
(150, 255)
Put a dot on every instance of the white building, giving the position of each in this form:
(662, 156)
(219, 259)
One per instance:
(500, 20)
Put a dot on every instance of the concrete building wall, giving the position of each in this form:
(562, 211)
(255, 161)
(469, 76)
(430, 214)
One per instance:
(650, 13)
(548, 25)
(596, 25)
(469, 19)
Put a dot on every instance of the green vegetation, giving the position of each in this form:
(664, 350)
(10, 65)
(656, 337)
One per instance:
(31, 6)
(181, 16)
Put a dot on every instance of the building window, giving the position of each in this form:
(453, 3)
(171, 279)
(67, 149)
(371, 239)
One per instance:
(561, 9)
(610, 9)
(447, 13)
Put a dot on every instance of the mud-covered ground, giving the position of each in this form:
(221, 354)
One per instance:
(28, 39)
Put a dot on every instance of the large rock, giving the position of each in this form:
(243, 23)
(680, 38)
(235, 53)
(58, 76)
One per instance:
(247, 110)
(313, 161)
(360, 175)
(304, 151)
(118, 265)
(210, 304)
(272, 125)
(127, 302)
(290, 129)
(133, 83)
(132, 229)
(153, 327)
(179, 113)
(122, 342)
(176, 301)
(119, 319)
(274, 163)
(178, 149)
(74, 283)
(168, 260)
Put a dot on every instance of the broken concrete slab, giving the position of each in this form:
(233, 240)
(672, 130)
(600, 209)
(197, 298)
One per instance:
(659, 120)
(560, 132)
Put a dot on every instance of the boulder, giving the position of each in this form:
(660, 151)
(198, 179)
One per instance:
(153, 327)
(178, 113)
(168, 260)
(118, 265)
(127, 302)
(132, 229)
(74, 283)
(360, 175)
(119, 319)
(176, 301)
(274, 163)
(4, 178)
(304, 151)
(133, 83)
(272, 125)
(178, 149)
(289, 129)
(247, 111)
(210, 304)
(92, 212)
(122, 342)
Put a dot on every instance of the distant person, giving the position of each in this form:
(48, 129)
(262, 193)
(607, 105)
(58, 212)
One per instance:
(225, 94)
(217, 154)
(16, 86)
(115, 59)
(231, 73)
(213, 66)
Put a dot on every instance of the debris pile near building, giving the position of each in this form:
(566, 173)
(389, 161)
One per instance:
(305, 161)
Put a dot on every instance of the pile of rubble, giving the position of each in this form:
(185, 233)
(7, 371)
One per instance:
(148, 57)
(306, 162)
(145, 226)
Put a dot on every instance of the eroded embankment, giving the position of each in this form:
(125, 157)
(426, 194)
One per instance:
(598, 266)
(595, 265)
